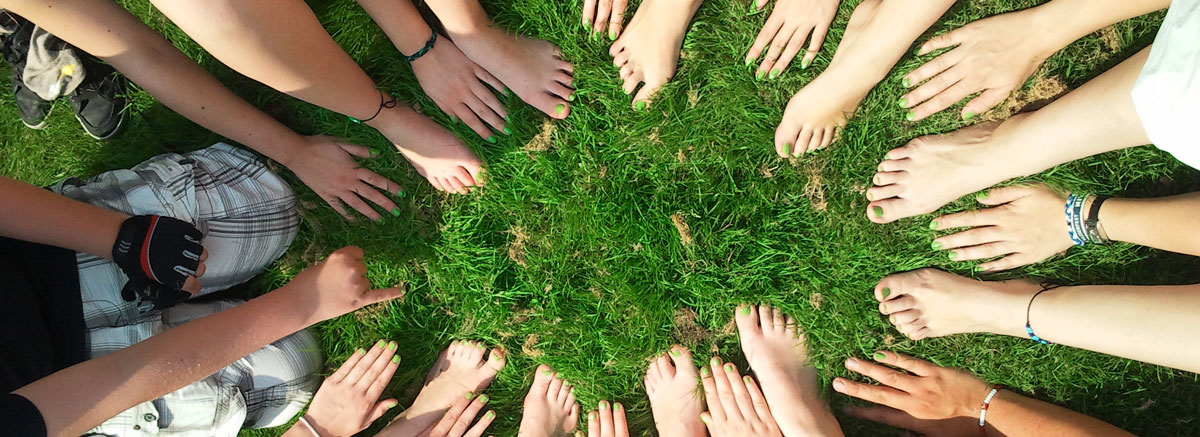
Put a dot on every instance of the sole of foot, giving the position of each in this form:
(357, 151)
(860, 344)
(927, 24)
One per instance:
(931, 303)
(648, 50)
(931, 171)
(550, 409)
(460, 369)
(775, 349)
(674, 399)
(435, 152)
(817, 112)
(532, 68)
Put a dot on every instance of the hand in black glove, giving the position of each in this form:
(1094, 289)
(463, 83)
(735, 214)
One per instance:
(163, 258)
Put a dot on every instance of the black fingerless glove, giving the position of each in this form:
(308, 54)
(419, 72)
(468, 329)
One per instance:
(157, 253)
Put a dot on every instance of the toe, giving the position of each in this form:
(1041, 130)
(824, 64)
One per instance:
(496, 360)
(907, 317)
(888, 210)
(568, 395)
(899, 304)
(620, 59)
(747, 320)
(682, 359)
(665, 366)
(894, 165)
(475, 353)
(801, 141)
(653, 373)
(884, 192)
(646, 94)
(887, 178)
(814, 143)
(631, 81)
(785, 138)
(541, 380)
(553, 388)
(559, 90)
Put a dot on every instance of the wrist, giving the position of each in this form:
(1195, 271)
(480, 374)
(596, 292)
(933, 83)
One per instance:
(1057, 25)
(296, 148)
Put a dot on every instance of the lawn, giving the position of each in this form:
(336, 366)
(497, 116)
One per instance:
(604, 238)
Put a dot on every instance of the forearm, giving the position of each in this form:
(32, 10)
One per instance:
(41, 216)
(401, 21)
(1163, 223)
(1011, 414)
(104, 29)
(82, 396)
(1153, 324)
(460, 17)
(1064, 21)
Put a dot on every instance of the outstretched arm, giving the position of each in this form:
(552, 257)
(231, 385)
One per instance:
(82, 396)
(935, 400)
(41, 216)
(1162, 223)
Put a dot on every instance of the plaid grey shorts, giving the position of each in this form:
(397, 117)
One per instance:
(248, 216)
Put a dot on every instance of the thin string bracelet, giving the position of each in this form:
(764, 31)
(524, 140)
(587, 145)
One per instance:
(428, 46)
(987, 402)
(1046, 286)
(383, 103)
(309, 426)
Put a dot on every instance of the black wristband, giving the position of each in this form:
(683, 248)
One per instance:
(1091, 223)
(157, 253)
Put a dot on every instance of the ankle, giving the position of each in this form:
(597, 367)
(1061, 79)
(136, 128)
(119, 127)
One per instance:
(1011, 303)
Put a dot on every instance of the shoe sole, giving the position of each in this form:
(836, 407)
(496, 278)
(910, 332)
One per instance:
(41, 125)
(116, 130)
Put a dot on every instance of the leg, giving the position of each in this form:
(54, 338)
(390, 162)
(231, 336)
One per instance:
(1145, 323)
(878, 34)
(283, 45)
(931, 171)
(774, 348)
(649, 50)
(550, 408)
(247, 213)
(462, 369)
(532, 68)
(671, 386)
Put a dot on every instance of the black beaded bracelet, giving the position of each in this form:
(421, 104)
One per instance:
(428, 46)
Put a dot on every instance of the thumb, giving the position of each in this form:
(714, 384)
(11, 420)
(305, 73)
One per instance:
(1000, 196)
(382, 407)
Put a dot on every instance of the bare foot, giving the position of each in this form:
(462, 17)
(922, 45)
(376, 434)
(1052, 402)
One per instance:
(932, 303)
(460, 371)
(436, 153)
(774, 348)
(933, 170)
(674, 399)
(532, 68)
(550, 408)
(648, 51)
(607, 423)
(818, 110)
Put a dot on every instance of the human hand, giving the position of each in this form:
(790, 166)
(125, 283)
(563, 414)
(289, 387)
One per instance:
(1024, 225)
(736, 406)
(348, 400)
(327, 166)
(790, 24)
(994, 56)
(608, 422)
(163, 257)
(336, 286)
(598, 14)
(457, 420)
(460, 88)
(927, 391)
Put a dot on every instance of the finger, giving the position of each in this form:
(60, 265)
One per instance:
(945, 99)
(815, 43)
(725, 391)
(620, 425)
(351, 199)
(884, 375)
(606, 419)
(452, 414)
(495, 114)
(593, 424)
(361, 367)
(382, 295)
(589, 14)
(871, 393)
(384, 377)
(376, 367)
(774, 50)
(344, 369)
(616, 18)
(789, 52)
(915, 366)
(468, 415)
(481, 425)
(930, 71)
(982, 251)
(603, 11)
(382, 407)
(1002, 195)
(370, 193)
(709, 422)
(948, 39)
(985, 101)
(1009, 262)
(757, 400)
(487, 78)
(472, 120)
(884, 415)
(711, 397)
(336, 204)
(191, 285)
(966, 219)
(356, 150)
(765, 36)
(968, 238)
(381, 183)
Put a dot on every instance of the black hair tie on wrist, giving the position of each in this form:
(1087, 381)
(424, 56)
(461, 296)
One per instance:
(424, 50)
(383, 103)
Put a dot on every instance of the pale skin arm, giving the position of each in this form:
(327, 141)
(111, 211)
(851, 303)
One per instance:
(401, 21)
(37, 215)
(1161, 223)
(82, 396)
(934, 400)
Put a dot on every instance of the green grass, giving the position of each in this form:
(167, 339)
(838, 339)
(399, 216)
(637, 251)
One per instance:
(604, 281)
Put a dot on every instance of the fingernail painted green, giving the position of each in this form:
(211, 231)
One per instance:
(968, 116)
(396, 211)
(612, 35)
(906, 83)
(507, 131)
(903, 102)
(910, 116)
(640, 105)
(774, 73)
(805, 63)
(759, 75)
(395, 359)
(936, 245)
(953, 255)
(492, 139)
(933, 225)
(879, 356)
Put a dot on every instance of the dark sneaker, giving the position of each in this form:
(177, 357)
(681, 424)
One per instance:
(99, 102)
(32, 109)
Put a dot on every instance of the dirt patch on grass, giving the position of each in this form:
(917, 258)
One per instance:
(542, 141)
(685, 231)
(814, 188)
(1111, 39)
(516, 249)
(1044, 89)
(693, 98)
(687, 331)
(816, 299)
(529, 348)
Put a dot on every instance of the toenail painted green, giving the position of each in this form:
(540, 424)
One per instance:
(936, 245)
(392, 346)
(492, 139)
(547, 372)
(603, 405)
(805, 63)
(704, 371)
(886, 292)
(640, 105)
(507, 131)
(910, 116)
(395, 212)
(400, 193)
(906, 82)
(490, 415)
(883, 307)
(745, 310)
(395, 359)
(379, 220)
(559, 109)
(774, 74)
(953, 255)
(759, 75)
(571, 97)
(879, 356)
(675, 352)
(933, 225)
(917, 51)
(380, 343)
(374, 152)
(787, 149)
(877, 210)
(753, 7)
(483, 399)
(968, 116)
(612, 35)
(903, 102)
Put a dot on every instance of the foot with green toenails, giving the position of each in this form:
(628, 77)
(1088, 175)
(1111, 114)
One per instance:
(550, 409)
(671, 386)
(648, 51)
(931, 303)
(532, 68)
